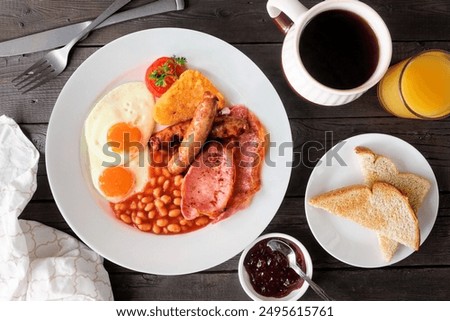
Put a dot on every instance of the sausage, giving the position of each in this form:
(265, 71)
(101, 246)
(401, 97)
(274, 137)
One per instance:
(223, 127)
(169, 136)
(195, 135)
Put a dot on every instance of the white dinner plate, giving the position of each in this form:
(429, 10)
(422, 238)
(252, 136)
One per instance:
(345, 240)
(89, 216)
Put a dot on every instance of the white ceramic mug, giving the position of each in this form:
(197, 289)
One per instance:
(292, 17)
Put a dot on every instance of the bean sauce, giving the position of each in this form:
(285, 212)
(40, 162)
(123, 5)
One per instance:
(269, 271)
(157, 209)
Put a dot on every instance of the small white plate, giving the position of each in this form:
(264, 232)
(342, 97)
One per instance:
(244, 278)
(345, 240)
(90, 217)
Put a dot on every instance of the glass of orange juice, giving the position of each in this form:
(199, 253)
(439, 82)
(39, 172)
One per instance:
(418, 87)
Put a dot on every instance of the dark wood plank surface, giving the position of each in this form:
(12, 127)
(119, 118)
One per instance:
(415, 25)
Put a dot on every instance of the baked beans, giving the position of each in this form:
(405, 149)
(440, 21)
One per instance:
(157, 209)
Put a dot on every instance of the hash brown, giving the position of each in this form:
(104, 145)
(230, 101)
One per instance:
(180, 101)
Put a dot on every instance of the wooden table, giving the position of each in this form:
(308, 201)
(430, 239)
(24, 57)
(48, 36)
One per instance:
(415, 25)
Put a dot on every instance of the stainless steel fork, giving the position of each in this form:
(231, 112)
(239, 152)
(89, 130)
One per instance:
(54, 62)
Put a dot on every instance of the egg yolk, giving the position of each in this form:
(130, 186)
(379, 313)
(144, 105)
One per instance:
(123, 136)
(116, 181)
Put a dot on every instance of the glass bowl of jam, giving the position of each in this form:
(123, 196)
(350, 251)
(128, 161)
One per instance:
(265, 275)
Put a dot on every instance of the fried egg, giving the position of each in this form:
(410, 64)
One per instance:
(118, 182)
(117, 131)
(121, 121)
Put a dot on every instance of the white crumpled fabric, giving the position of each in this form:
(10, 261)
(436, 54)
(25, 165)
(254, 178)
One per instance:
(38, 262)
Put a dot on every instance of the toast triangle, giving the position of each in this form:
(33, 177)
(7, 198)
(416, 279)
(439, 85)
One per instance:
(380, 168)
(383, 209)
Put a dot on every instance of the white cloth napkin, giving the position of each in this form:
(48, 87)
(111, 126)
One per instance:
(38, 262)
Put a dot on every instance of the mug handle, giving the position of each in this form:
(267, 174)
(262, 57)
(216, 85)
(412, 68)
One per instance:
(285, 12)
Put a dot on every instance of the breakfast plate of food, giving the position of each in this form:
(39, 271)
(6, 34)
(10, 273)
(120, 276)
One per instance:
(162, 156)
(372, 200)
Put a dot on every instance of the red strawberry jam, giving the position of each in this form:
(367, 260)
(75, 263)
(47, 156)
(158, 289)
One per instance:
(269, 271)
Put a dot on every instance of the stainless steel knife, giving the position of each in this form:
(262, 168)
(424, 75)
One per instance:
(58, 37)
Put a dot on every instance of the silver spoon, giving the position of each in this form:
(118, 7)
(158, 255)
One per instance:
(286, 250)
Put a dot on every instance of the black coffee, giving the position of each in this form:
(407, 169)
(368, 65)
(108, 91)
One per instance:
(339, 49)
